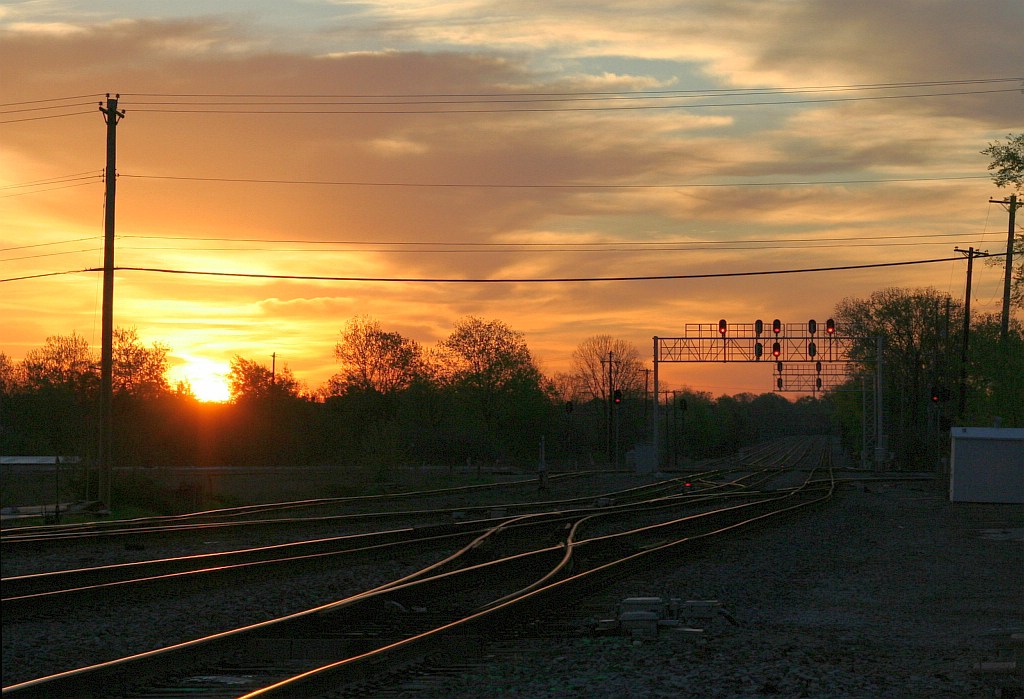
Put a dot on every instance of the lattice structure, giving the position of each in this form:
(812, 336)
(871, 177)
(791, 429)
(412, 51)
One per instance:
(751, 342)
(805, 357)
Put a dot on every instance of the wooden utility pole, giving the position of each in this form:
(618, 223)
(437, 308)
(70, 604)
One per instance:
(971, 254)
(111, 115)
(1012, 204)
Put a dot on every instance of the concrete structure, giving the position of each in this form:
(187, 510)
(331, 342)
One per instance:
(986, 465)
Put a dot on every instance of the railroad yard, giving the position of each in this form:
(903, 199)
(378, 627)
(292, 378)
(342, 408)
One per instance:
(771, 574)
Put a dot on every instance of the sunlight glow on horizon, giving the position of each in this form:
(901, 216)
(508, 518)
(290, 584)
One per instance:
(207, 379)
(310, 199)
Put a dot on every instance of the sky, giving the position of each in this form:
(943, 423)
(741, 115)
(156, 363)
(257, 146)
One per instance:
(408, 160)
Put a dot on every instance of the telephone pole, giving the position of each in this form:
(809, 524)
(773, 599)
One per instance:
(111, 115)
(971, 254)
(1012, 205)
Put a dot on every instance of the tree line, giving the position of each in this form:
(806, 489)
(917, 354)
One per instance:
(478, 396)
(929, 383)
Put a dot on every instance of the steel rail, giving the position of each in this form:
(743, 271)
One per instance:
(158, 660)
(36, 535)
(328, 677)
(38, 592)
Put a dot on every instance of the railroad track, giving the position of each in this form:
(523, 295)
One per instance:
(43, 594)
(338, 643)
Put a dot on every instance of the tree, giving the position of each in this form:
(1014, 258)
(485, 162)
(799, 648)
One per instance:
(64, 361)
(374, 360)
(486, 355)
(250, 380)
(921, 334)
(1007, 162)
(11, 375)
(490, 374)
(590, 366)
(138, 370)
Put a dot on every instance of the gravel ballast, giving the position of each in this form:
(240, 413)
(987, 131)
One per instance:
(890, 590)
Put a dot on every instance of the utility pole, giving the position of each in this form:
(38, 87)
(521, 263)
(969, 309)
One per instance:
(111, 115)
(1012, 204)
(971, 254)
(611, 408)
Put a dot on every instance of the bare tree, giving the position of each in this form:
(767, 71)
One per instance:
(591, 369)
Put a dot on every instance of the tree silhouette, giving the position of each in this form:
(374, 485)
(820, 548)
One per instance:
(375, 360)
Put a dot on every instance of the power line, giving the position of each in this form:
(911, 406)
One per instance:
(526, 280)
(512, 250)
(290, 241)
(95, 95)
(40, 118)
(49, 254)
(439, 280)
(43, 108)
(697, 93)
(45, 189)
(523, 110)
(88, 174)
(495, 185)
(42, 245)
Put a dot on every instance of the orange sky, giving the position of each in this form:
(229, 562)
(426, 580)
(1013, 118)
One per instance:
(571, 175)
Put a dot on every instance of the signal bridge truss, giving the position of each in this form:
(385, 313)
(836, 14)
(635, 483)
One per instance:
(805, 357)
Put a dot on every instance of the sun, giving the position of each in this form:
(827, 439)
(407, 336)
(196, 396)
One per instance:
(207, 379)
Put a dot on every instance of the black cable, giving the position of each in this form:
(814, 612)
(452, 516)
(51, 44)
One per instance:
(354, 183)
(418, 280)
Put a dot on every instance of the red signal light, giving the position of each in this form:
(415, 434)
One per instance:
(830, 326)
(776, 326)
(776, 349)
(722, 327)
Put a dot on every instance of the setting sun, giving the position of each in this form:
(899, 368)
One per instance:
(207, 379)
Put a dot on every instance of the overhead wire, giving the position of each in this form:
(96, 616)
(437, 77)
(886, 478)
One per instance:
(523, 280)
(570, 93)
(581, 186)
(523, 110)
(443, 247)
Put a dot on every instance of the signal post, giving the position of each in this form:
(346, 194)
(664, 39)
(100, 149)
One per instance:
(806, 357)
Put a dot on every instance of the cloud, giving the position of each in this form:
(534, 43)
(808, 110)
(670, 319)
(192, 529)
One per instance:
(444, 195)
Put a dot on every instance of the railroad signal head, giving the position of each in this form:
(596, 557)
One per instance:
(776, 349)
(830, 326)
(617, 396)
(776, 326)
(778, 365)
(812, 349)
(758, 327)
(819, 382)
(812, 326)
(722, 326)
(817, 367)
(779, 383)
(758, 350)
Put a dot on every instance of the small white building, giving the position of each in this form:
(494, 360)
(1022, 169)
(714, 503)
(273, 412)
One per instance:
(986, 465)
